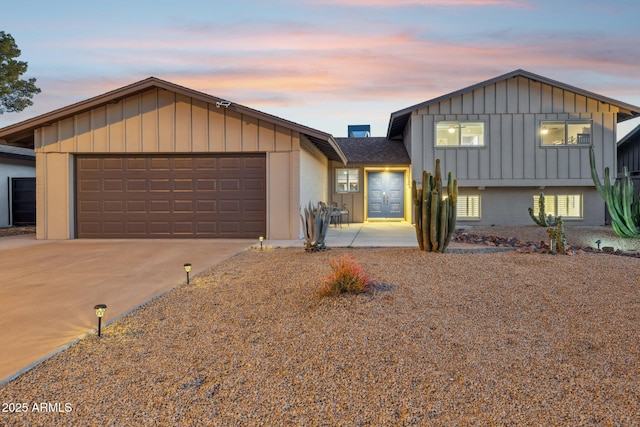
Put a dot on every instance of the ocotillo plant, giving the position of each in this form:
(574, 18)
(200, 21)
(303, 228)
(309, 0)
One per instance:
(435, 216)
(542, 219)
(623, 205)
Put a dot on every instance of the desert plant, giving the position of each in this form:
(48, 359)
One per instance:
(315, 223)
(346, 277)
(542, 219)
(622, 203)
(435, 216)
(557, 239)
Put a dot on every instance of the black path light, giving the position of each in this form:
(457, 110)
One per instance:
(187, 268)
(100, 309)
(261, 240)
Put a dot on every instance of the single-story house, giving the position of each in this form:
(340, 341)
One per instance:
(18, 188)
(154, 159)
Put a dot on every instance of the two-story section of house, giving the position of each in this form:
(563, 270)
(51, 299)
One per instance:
(512, 137)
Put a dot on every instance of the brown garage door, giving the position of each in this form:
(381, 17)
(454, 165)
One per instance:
(221, 196)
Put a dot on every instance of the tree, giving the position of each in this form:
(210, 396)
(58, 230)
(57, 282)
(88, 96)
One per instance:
(15, 93)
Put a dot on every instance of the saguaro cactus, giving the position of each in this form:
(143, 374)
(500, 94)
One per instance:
(435, 216)
(623, 205)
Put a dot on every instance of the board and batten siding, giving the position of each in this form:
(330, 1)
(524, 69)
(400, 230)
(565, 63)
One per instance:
(162, 121)
(512, 110)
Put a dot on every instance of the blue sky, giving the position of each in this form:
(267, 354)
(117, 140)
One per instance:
(322, 63)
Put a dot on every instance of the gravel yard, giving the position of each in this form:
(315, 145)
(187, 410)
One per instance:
(445, 339)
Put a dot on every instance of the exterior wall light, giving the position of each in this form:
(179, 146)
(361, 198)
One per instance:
(187, 268)
(100, 309)
(261, 238)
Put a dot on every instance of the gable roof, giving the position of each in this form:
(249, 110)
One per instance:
(632, 136)
(374, 151)
(10, 152)
(22, 133)
(398, 120)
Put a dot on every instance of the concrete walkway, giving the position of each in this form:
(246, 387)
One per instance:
(48, 288)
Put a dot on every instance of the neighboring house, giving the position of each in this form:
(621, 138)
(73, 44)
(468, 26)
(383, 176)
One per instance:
(629, 156)
(17, 186)
(511, 137)
(154, 159)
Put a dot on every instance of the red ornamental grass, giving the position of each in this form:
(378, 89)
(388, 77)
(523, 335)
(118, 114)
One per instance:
(347, 276)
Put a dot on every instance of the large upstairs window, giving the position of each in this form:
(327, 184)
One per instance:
(558, 132)
(459, 134)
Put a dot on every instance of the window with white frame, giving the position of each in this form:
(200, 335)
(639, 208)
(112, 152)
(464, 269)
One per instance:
(468, 207)
(347, 181)
(565, 132)
(565, 205)
(459, 134)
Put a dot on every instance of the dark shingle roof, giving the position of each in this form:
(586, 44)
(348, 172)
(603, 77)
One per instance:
(8, 151)
(374, 151)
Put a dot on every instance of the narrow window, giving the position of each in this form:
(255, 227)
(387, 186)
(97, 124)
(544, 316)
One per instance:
(456, 134)
(347, 181)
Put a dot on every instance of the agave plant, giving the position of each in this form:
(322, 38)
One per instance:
(315, 223)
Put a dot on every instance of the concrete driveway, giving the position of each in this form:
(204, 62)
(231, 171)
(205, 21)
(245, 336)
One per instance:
(48, 288)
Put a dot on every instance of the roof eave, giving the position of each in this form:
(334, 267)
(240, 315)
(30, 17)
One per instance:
(23, 129)
(627, 112)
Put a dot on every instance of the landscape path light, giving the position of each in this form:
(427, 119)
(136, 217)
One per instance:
(187, 268)
(261, 239)
(100, 309)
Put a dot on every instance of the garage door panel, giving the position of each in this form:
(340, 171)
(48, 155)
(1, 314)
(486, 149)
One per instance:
(137, 184)
(116, 185)
(171, 196)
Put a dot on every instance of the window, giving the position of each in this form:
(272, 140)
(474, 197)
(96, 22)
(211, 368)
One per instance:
(347, 181)
(566, 206)
(468, 207)
(456, 134)
(565, 133)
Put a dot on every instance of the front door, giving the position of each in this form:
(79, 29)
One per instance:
(386, 195)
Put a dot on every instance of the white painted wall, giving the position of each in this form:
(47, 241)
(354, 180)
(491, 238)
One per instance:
(314, 175)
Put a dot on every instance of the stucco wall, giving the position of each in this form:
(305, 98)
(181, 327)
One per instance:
(11, 168)
(509, 206)
(162, 121)
(314, 178)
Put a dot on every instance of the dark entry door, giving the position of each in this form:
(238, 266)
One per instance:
(386, 195)
(23, 201)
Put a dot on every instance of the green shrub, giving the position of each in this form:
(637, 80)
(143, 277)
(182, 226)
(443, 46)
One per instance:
(347, 277)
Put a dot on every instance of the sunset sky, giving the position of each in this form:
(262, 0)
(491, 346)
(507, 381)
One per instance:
(322, 63)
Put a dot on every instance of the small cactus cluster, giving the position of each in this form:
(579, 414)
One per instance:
(542, 219)
(557, 238)
(435, 216)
